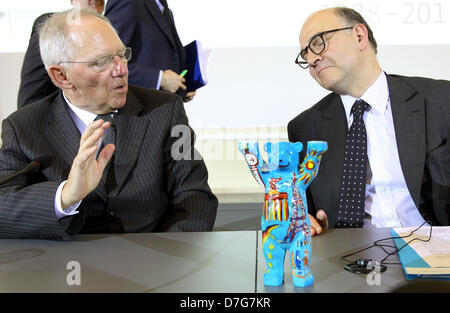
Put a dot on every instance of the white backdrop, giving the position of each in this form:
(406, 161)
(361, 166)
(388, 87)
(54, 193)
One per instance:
(253, 80)
(268, 23)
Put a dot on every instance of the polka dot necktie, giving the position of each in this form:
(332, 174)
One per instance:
(109, 136)
(353, 183)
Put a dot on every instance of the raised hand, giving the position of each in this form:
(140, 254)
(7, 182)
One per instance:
(86, 171)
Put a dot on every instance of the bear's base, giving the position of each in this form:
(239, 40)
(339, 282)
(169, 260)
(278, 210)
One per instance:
(274, 278)
(306, 281)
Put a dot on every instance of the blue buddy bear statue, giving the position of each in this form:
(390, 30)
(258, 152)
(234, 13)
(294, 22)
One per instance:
(284, 221)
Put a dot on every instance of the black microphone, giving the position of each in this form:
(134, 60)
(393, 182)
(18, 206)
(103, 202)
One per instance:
(32, 166)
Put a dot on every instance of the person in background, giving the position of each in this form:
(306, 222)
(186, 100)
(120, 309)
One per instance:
(388, 158)
(35, 83)
(148, 27)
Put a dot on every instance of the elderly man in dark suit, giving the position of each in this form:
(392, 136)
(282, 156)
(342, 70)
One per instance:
(388, 159)
(148, 27)
(110, 160)
(35, 84)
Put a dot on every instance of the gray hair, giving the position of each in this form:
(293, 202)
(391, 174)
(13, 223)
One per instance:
(55, 44)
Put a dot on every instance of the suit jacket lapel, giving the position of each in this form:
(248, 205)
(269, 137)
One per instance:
(333, 129)
(131, 131)
(154, 10)
(409, 123)
(61, 131)
(64, 135)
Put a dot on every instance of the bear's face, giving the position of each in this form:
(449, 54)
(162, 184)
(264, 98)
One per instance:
(283, 156)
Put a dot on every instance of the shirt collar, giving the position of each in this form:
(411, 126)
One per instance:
(377, 96)
(81, 117)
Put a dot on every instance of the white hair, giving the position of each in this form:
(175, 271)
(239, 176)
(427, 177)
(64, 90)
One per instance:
(54, 40)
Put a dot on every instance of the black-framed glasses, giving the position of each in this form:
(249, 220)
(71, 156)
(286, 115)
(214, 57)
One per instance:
(104, 62)
(316, 45)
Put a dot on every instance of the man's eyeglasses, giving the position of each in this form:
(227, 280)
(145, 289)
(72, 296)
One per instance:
(104, 62)
(316, 45)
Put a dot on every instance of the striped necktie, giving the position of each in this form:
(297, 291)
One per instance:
(109, 136)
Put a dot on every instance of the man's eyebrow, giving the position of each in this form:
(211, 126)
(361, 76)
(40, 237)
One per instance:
(316, 34)
(110, 53)
(309, 40)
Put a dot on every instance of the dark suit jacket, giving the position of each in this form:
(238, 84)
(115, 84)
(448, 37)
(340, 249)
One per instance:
(155, 46)
(35, 84)
(421, 113)
(153, 193)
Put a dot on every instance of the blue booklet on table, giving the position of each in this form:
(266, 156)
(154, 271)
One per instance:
(419, 259)
(196, 65)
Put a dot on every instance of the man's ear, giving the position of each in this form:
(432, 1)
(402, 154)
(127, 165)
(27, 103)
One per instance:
(362, 36)
(59, 77)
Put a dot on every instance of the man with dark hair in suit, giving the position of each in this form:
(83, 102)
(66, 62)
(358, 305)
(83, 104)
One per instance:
(388, 159)
(148, 27)
(108, 162)
(35, 84)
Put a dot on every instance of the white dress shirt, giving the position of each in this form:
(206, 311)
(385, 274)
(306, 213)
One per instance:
(388, 202)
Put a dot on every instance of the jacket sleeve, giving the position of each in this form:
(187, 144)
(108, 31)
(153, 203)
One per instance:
(27, 202)
(193, 206)
(35, 83)
(124, 16)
